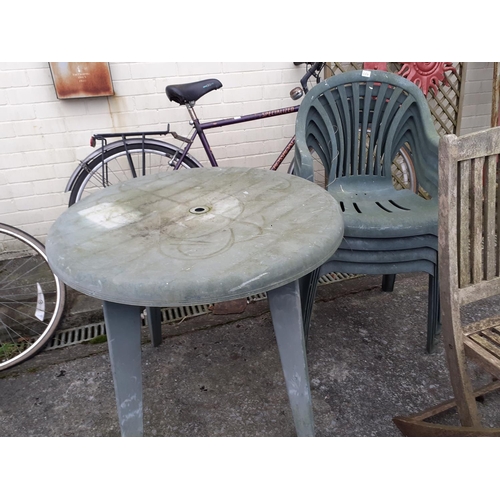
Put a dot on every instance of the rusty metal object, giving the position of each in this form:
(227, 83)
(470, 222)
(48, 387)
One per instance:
(381, 66)
(81, 79)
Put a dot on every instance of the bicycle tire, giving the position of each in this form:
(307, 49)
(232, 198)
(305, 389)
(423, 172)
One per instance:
(403, 171)
(117, 168)
(32, 298)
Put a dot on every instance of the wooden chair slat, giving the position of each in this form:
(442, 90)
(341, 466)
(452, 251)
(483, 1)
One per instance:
(464, 223)
(497, 166)
(477, 219)
(481, 325)
(475, 145)
(483, 339)
(482, 357)
(479, 291)
(490, 231)
(494, 337)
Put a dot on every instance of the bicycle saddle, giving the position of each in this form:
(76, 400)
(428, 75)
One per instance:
(191, 92)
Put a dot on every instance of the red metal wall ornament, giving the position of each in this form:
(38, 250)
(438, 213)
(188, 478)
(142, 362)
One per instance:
(426, 75)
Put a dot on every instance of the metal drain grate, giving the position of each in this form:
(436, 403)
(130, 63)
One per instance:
(86, 333)
(77, 335)
(170, 314)
(327, 279)
(330, 278)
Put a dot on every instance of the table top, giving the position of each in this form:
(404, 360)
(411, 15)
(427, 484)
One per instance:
(194, 236)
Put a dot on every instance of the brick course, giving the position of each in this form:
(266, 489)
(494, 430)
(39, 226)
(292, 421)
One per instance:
(476, 95)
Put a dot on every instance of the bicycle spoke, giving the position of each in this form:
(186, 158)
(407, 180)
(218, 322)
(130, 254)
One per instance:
(10, 288)
(21, 313)
(25, 272)
(153, 159)
(31, 297)
(9, 329)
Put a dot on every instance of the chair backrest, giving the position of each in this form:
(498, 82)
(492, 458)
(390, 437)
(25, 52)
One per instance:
(357, 122)
(469, 217)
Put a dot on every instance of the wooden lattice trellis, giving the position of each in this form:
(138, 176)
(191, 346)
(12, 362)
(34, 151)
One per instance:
(444, 105)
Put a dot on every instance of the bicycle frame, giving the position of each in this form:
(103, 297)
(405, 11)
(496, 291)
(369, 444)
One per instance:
(199, 130)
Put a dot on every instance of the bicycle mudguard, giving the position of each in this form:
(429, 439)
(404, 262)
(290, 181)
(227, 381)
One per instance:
(115, 145)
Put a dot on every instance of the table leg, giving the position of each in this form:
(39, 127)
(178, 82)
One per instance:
(154, 323)
(123, 329)
(286, 312)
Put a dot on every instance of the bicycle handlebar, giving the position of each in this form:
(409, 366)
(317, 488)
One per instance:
(315, 68)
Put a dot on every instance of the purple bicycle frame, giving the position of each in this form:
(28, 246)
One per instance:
(199, 130)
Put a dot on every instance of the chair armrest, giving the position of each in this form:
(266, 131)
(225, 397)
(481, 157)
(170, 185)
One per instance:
(425, 157)
(303, 162)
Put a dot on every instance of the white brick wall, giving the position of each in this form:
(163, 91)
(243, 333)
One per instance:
(42, 138)
(476, 95)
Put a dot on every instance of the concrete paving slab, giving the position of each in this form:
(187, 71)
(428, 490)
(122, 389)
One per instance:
(220, 375)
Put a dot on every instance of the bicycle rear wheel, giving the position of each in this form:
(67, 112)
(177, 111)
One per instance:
(120, 163)
(32, 298)
(403, 171)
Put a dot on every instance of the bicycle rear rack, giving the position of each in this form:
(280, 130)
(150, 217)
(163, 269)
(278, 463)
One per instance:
(125, 135)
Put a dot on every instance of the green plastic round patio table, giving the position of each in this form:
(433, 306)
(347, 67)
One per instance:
(199, 236)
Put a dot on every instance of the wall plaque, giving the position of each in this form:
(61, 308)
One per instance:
(81, 79)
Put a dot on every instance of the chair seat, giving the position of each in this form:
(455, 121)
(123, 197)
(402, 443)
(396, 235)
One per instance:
(482, 343)
(414, 266)
(379, 244)
(386, 256)
(372, 211)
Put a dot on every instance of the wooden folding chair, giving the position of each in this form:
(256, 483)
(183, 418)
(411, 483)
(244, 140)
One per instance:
(469, 270)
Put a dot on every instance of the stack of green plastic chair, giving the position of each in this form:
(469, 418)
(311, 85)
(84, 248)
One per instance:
(356, 123)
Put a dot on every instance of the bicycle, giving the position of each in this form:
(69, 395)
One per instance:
(32, 298)
(137, 153)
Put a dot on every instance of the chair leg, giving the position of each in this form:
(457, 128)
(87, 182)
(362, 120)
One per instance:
(154, 323)
(433, 313)
(308, 285)
(465, 398)
(416, 426)
(388, 282)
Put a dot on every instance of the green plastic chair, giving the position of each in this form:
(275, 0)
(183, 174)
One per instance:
(356, 123)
